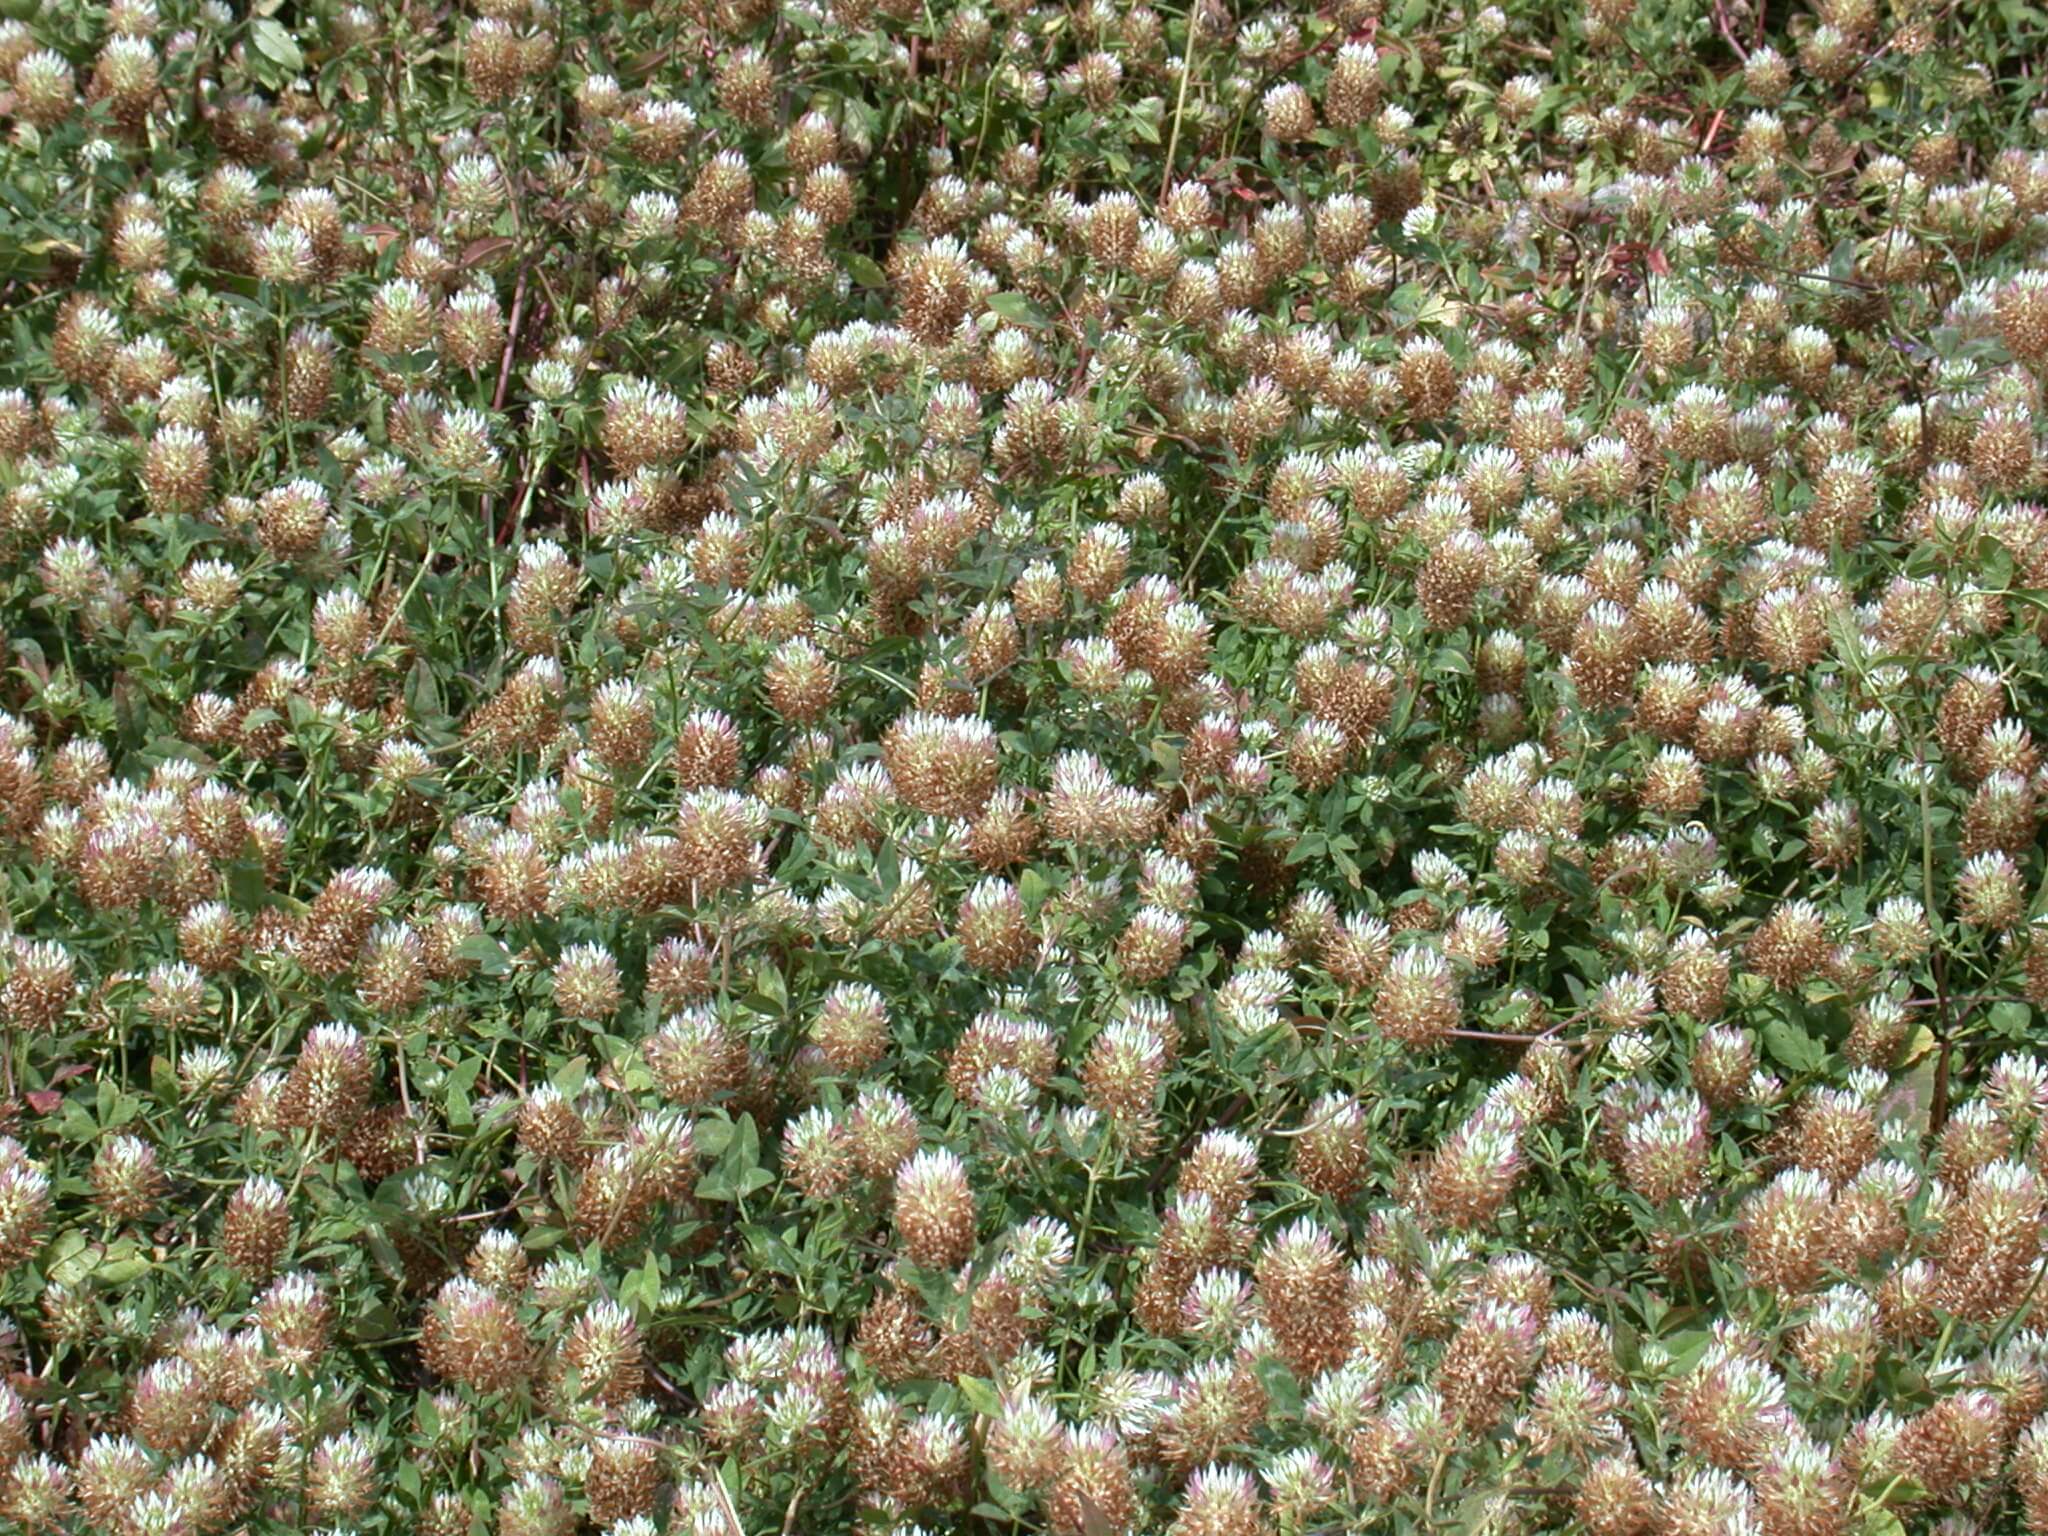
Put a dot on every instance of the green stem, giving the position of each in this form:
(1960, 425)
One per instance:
(1180, 100)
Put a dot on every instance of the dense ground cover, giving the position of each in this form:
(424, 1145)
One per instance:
(908, 765)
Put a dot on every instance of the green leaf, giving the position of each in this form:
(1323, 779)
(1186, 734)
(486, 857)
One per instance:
(486, 952)
(771, 995)
(1016, 308)
(2012, 1020)
(277, 45)
(980, 1395)
(738, 1172)
(122, 1263)
(642, 1289)
(1793, 1048)
(713, 1136)
(71, 1258)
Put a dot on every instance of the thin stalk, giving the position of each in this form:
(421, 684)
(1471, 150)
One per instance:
(1180, 100)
